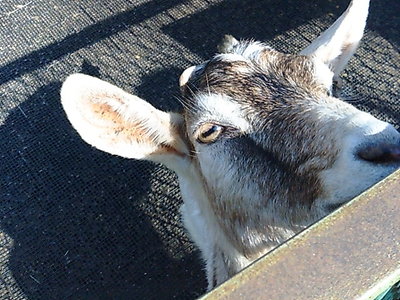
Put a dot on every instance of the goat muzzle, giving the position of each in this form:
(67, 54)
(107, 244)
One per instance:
(381, 153)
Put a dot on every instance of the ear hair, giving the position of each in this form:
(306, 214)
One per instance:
(119, 123)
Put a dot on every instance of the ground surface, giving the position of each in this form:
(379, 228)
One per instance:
(76, 223)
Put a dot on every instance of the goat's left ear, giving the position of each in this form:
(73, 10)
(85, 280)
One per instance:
(338, 43)
(119, 123)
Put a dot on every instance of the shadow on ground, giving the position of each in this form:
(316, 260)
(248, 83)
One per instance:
(74, 214)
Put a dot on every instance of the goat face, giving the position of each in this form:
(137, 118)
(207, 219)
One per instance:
(261, 150)
(273, 146)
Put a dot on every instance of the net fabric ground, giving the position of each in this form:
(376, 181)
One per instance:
(76, 223)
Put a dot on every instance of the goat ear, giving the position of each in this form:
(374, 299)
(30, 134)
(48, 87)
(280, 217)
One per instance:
(227, 44)
(119, 123)
(187, 75)
(338, 43)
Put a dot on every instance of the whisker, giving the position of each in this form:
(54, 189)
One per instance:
(193, 152)
(183, 102)
(207, 84)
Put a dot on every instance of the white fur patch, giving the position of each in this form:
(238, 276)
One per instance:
(350, 174)
(222, 109)
(202, 225)
(253, 50)
(323, 74)
(230, 57)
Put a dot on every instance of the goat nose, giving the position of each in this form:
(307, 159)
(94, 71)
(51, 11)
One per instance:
(381, 153)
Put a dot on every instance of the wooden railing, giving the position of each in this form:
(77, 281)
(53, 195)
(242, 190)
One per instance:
(354, 253)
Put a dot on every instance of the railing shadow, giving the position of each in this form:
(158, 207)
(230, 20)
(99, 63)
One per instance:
(88, 36)
(259, 20)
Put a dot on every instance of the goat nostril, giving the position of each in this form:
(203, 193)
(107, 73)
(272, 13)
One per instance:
(383, 153)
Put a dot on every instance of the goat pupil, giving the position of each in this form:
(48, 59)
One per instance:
(210, 131)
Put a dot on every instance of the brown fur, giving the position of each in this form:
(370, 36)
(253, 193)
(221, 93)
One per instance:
(120, 126)
(276, 93)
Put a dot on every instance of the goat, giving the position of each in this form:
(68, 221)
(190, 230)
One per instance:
(262, 149)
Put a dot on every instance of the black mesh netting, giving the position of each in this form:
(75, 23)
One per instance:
(76, 223)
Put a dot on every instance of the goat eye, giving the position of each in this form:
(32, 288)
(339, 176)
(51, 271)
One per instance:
(209, 133)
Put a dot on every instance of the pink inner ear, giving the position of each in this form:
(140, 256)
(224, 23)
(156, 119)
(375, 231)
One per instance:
(115, 127)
